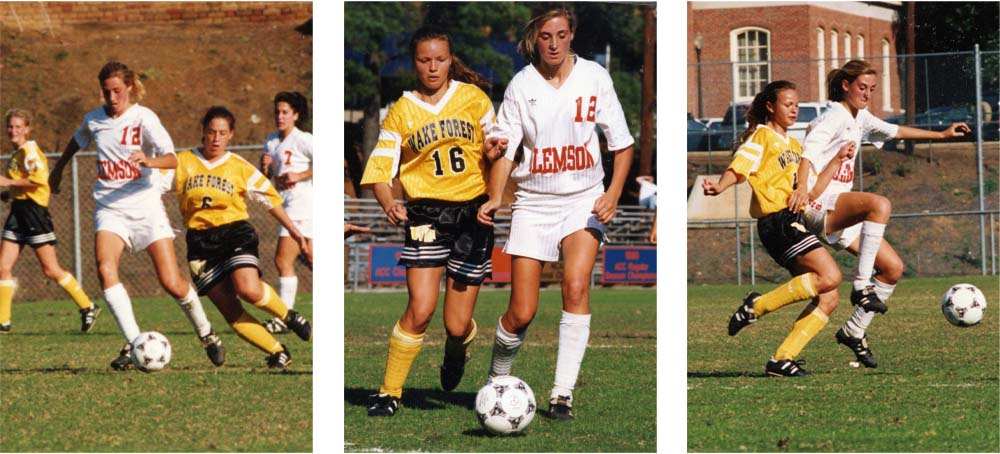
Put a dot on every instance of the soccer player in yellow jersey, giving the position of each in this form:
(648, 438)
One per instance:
(213, 186)
(768, 158)
(434, 137)
(29, 222)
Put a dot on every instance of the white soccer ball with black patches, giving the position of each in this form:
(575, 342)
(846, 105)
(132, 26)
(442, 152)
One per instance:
(963, 305)
(505, 405)
(150, 351)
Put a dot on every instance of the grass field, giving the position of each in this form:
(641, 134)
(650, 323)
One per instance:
(57, 392)
(616, 385)
(936, 387)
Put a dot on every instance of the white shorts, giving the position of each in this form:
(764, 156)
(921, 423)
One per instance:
(539, 222)
(304, 225)
(138, 227)
(815, 217)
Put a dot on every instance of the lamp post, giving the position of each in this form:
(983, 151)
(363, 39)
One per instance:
(698, 41)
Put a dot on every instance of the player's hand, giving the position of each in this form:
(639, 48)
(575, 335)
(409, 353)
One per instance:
(652, 235)
(140, 158)
(265, 163)
(494, 147)
(847, 152)
(486, 211)
(55, 178)
(798, 199)
(605, 207)
(396, 214)
(710, 187)
(958, 129)
(303, 243)
(351, 229)
(287, 180)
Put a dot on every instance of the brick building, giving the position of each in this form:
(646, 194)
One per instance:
(797, 41)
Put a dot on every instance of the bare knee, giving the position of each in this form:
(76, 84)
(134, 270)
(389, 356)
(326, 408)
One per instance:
(175, 286)
(6, 273)
(828, 279)
(457, 328)
(828, 301)
(250, 293)
(53, 273)
(517, 319)
(108, 271)
(417, 317)
(575, 293)
(882, 206)
(890, 271)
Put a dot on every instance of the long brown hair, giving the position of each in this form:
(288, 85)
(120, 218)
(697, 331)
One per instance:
(526, 47)
(129, 77)
(757, 113)
(849, 72)
(457, 71)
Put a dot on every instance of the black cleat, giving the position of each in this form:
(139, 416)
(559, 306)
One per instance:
(5, 327)
(561, 408)
(275, 326)
(124, 359)
(784, 368)
(383, 405)
(744, 314)
(452, 371)
(88, 317)
(213, 348)
(298, 324)
(868, 301)
(279, 360)
(859, 346)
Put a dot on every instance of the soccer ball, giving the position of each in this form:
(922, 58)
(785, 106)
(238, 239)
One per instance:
(150, 351)
(505, 405)
(963, 305)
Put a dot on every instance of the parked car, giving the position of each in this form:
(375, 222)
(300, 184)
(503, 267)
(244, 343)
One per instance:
(940, 118)
(722, 132)
(697, 135)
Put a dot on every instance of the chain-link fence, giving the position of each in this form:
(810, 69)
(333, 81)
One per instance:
(944, 193)
(72, 215)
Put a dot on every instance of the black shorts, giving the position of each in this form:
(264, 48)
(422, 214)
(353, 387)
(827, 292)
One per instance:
(446, 234)
(29, 223)
(214, 253)
(785, 237)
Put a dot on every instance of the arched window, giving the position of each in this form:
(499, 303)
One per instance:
(821, 62)
(861, 46)
(847, 46)
(750, 49)
(886, 92)
(833, 48)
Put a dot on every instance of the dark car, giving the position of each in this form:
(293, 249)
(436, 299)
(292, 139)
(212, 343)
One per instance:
(940, 118)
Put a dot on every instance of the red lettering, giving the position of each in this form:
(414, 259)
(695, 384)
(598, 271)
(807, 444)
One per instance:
(559, 159)
(120, 170)
(592, 108)
(631, 255)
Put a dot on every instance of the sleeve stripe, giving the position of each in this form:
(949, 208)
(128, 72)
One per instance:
(748, 155)
(753, 146)
(384, 152)
(388, 144)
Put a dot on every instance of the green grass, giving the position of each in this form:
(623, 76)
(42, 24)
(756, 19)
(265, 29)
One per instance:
(936, 387)
(57, 392)
(616, 386)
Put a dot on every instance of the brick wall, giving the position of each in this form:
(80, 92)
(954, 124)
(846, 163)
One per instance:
(42, 15)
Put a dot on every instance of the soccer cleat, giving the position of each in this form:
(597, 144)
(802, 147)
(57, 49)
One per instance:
(279, 360)
(275, 326)
(452, 371)
(784, 368)
(298, 324)
(859, 346)
(868, 301)
(744, 314)
(88, 317)
(213, 348)
(124, 359)
(383, 405)
(561, 408)
(5, 327)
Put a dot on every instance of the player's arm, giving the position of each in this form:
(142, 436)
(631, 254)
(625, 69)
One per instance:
(395, 212)
(278, 212)
(606, 205)
(18, 183)
(494, 186)
(290, 178)
(55, 177)
(166, 161)
(958, 129)
(728, 178)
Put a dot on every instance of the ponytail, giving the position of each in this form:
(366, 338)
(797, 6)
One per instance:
(128, 77)
(757, 113)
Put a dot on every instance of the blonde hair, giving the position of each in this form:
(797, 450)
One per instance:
(19, 113)
(526, 47)
(129, 77)
(849, 72)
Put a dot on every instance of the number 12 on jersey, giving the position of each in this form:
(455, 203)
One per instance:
(591, 108)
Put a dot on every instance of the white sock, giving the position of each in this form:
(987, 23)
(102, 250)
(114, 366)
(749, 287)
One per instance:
(287, 286)
(574, 332)
(871, 239)
(860, 319)
(191, 306)
(121, 307)
(505, 348)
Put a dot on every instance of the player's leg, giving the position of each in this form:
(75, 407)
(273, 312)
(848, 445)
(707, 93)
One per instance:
(50, 266)
(223, 296)
(251, 289)
(872, 211)
(890, 269)
(9, 251)
(460, 328)
(526, 275)
(579, 254)
(284, 260)
(108, 248)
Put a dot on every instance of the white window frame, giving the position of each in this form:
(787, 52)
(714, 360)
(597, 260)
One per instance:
(734, 57)
(861, 46)
(847, 47)
(833, 48)
(821, 62)
(886, 80)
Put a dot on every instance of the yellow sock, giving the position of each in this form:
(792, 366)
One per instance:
(455, 349)
(6, 298)
(799, 288)
(271, 302)
(253, 332)
(403, 349)
(72, 287)
(804, 330)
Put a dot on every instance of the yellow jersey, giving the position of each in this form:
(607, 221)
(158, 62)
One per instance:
(29, 162)
(769, 162)
(212, 194)
(436, 150)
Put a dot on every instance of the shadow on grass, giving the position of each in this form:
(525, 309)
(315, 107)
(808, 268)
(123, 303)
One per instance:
(417, 399)
(483, 433)
(725, 374)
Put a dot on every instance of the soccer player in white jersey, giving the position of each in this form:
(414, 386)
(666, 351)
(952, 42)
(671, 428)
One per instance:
(555, 105)
(288, 160)
(128, 212)
(855, 221)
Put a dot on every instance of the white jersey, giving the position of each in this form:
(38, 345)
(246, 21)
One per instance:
(558, 127)
(830, 131)
(121, 184)
(294, 154)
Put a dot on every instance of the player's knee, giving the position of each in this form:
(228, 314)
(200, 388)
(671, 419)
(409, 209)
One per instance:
(891, 271)
(828, 302)
(575, 291)
(53, 273)
(519, 319)
(828, 279)
(6, 273)
(419, 316)
(107, 270)
(881, 207)
(175, 286)
(249, 293)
